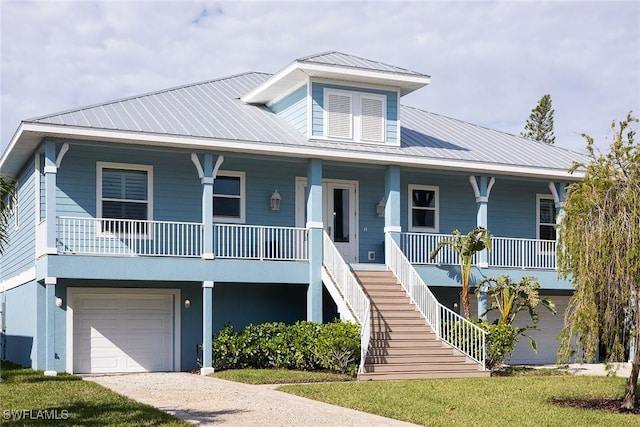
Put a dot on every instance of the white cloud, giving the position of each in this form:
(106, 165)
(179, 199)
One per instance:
(489, 62)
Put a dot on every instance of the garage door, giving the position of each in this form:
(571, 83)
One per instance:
(549, 325)
(123, 332)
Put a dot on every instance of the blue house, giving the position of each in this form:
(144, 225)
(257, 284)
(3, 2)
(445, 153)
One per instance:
(145, 224)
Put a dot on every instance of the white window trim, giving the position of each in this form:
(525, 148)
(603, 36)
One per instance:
(243, 197)
(436, 191)
(538, 223)
(125, 166)
(356, 110)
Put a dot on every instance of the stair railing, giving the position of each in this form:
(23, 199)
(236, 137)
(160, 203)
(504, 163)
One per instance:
(351, 291)
(448, 325)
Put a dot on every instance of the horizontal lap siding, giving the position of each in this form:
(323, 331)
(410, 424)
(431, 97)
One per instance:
(512, 207)
(19, 254)
(457, 205)
(177, 192)
(293, 109)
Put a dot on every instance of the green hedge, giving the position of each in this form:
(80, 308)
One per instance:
(303, 345)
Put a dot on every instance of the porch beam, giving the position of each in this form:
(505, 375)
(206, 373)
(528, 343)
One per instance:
(315, 226)
(207, 328)
(50, 326)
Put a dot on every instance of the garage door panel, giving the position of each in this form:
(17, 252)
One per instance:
(129, 333)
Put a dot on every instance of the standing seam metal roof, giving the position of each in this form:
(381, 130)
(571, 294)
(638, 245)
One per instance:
(213, 110)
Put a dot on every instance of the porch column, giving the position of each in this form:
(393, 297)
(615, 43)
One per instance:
(392, 203)
(50, 173)
(315, 227)
(207, 328)
(558, 189)
(482, 189)
(50, 326)
(207, 206)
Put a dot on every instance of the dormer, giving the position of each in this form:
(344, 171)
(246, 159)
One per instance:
(338, 97)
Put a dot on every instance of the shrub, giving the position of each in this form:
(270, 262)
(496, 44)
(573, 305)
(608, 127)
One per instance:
(303, 345)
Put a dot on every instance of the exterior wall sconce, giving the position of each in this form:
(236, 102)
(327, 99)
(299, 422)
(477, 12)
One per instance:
(59, 302)
(455, 306)
(187, 303)
(275, 201)
(380, 208)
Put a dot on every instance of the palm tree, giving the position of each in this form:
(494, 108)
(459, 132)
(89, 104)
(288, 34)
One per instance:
(7, 199)
(466, 246)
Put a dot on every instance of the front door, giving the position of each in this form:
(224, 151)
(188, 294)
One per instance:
(340, 217)
(339, 214)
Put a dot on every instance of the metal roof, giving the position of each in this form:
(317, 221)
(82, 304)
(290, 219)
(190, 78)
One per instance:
(212, 110)
(345, 60)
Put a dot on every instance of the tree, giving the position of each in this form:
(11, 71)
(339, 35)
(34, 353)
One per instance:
(7, 198)
(466, 247)
(539, 126)
(510, 298)
(599, 248)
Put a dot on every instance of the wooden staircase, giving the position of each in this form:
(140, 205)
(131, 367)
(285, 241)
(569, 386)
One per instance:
(402, 345)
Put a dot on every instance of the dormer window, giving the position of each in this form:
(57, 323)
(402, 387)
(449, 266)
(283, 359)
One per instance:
(354, 116)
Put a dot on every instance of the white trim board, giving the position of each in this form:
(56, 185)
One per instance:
(19, 280)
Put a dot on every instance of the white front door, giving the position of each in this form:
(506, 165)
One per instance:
(339, 213)
(339, 218)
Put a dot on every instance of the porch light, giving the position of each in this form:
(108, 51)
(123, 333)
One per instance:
(275, 201)
(59, 302)
(187, 303)
(380, 208)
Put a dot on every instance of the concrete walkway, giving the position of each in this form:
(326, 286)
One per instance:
(210, 401)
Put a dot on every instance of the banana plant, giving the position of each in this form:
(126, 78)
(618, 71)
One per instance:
(466, 246)
(7, 199)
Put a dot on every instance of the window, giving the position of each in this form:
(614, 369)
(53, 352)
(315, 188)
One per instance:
(229, 197)
(423, 208)
(124, 193)
(354, 115)
(546, 218)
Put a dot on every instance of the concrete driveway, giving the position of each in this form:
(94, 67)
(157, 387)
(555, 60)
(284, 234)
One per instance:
(210, 401)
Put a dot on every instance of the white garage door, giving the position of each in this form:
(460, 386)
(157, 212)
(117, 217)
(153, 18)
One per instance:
(549, 325)
(123, 332)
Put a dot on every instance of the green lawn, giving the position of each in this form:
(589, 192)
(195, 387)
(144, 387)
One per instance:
(495, 401)
(85, 403)
(279, 376)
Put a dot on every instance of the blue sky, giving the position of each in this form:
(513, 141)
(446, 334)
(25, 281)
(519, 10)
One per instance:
(489, 62)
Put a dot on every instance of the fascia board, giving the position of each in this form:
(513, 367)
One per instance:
(300, 151)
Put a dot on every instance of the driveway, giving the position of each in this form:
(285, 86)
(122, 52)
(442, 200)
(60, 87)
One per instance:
(210, 401)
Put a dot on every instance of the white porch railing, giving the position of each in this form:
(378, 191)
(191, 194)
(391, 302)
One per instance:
(447, 325)
(98, 236)
(260, 242)
(523, 253)
(353, 294)
(505, 252)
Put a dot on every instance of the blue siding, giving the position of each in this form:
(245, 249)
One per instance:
(20, 252)
(317, 118)
(19, 343)
(457, 203)
(293, 108)
(512, 207)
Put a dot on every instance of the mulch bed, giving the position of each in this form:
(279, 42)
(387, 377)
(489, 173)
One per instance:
(607, 405)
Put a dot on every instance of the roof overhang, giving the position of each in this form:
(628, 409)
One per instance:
(298, 72)
(30, 135)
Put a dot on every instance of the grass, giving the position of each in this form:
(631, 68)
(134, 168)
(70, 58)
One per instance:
(279, 376)
(495, 401)
(85, 403)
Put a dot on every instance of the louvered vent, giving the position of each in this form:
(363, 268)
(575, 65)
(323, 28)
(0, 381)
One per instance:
(339, 120)
(372, 119)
